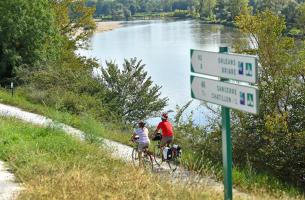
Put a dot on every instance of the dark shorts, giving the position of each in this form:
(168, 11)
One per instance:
(166, 140)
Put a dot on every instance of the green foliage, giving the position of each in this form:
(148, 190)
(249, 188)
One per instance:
(92, 127)
(301, 17)
(206, 8)
(74, 21)
(125, 95)
(289, 11)
(117, 11)
(223, 11)
(295, 32)
(181, 14)
(235, 7)
(180, 111)
(130, 94)
(86, 122)
(75, 92)
(28, 36)
(275, 6)
(274, 138)
(122, 9)
(202, 153)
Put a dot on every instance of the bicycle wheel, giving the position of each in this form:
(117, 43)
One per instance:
(148, 161)
(135, 157)
(157, 155)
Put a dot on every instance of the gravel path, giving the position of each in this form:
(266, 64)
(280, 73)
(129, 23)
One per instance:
(8, 187)
(118, 150)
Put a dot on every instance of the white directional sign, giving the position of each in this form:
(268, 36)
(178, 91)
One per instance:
(231, 66)
(240, 97)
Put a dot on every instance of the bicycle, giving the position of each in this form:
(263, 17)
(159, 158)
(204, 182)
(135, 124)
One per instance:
(147, 160)
(174, 161)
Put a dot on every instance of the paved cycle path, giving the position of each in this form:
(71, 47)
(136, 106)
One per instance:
(118, 150)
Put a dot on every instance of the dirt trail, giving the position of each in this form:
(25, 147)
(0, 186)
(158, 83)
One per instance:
(118, 150)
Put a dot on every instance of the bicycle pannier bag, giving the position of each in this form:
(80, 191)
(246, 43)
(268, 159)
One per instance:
(157, 137)
(176, 150)
(167, 153)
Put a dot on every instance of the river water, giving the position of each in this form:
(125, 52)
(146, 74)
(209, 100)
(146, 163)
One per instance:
(164, 46)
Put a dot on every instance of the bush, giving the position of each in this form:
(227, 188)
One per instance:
(130, 93)
(181, 14)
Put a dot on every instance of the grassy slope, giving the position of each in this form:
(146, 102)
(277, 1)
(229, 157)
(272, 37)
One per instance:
(84, 122)
(245, 180)
(52, 165)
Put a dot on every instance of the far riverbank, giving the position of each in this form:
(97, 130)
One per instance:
(107, 26)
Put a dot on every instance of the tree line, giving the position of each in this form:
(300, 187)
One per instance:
(218, 11)
(120, 9)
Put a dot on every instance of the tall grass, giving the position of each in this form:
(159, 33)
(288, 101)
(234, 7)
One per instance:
(52, 165)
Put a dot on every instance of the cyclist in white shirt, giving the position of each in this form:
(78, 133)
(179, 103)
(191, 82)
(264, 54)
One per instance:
(143, 141)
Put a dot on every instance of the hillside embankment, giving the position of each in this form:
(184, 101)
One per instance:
(123, 152)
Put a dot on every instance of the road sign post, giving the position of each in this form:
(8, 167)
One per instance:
(243, 97)
(226, 146)
(226, 152)
(12, 88)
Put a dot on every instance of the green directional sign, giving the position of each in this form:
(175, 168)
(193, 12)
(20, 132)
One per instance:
(225, 65)
(239, 97)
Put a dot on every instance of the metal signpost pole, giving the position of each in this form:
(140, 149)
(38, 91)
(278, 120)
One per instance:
(226, 145)
(227, 152)
(12, 88)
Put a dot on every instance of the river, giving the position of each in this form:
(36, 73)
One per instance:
(164, 46)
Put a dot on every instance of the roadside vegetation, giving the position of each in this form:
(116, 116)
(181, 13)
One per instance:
(245, 179)
(52, 165)
(37, 53)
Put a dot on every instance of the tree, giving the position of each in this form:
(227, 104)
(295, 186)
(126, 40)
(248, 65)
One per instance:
(210, 7)
(127, 13)
(28, 35)
(130, 94)
(117, 11)
(207, 7)
(221, 10)
(75, 21)
(300, 18)
(290, 11)
(274, 138)
(235, 7)
(133, 9)
(167, 5)
(276, 6)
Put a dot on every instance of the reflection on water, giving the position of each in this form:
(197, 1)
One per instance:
(164, 46)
